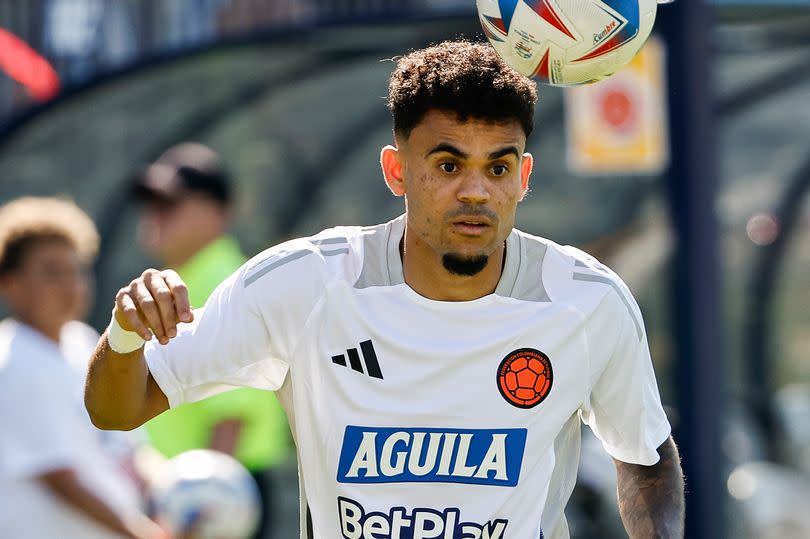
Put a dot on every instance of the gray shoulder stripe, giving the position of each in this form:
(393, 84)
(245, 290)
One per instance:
(261, 272)
(335, 252)
(598, 266)
(329, 241)
(527, 282)
(611, 283)
(377, 263)
(265, 266)
(264, 270)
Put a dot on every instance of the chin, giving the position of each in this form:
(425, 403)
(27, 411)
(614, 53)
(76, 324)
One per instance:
(474, 248)
(465, 265)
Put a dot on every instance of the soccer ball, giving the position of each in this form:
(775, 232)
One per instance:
(209, 492)
(567, 42)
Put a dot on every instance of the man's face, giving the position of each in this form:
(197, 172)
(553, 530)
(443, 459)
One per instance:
(462, 182)
(47, 289)
(170, 228)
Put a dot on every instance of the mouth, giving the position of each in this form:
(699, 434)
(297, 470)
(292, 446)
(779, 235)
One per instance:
(472, 226)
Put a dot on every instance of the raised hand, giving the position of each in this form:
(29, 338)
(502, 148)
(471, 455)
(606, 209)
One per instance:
(154, 303)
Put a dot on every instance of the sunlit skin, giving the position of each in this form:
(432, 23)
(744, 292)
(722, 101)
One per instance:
(462, 182)
(48, 288)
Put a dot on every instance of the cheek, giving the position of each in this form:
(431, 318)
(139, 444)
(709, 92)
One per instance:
(435, 192)
(66, 288)
(150, 232)
(44, 299)
(419, 220)
(176, 226)
(509, 193)
(428, 201)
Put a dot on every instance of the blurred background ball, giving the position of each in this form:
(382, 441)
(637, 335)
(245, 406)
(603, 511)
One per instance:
(208, 490)
(567, 42)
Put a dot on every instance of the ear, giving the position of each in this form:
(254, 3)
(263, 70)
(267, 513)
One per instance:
(392, 170)
(525, 173)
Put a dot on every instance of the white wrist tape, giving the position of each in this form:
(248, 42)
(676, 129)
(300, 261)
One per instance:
(121, 340)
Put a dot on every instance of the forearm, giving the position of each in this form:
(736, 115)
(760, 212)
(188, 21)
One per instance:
(225, 435)
(65, 485)
(118, 388)
(651, 499)
(120, 393)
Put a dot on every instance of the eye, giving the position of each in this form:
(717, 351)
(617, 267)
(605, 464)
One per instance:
(448, 167)
(499, 170)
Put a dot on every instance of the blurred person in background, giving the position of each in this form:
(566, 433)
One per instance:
(57, 478)
(186, 212)
(83, 37)
(189, 22)
(76, 339)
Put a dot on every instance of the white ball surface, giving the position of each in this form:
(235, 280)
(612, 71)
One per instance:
(567, 42)
(212, 485)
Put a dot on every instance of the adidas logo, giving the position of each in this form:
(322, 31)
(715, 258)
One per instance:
(356, 362)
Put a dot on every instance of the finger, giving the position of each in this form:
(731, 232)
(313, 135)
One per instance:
(163, 301)
(182, 304)
(129, 312)
(148, 308)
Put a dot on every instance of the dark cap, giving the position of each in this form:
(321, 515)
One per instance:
(184, 169)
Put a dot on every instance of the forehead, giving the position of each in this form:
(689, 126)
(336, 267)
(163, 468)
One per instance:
(38, 253)
(184, 200)
(473, 135)
(50, 249)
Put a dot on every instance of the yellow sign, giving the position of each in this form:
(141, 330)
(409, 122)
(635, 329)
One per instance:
(619, 125)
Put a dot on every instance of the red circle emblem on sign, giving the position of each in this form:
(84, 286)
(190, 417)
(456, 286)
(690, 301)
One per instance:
(617, 108)
(525, 377)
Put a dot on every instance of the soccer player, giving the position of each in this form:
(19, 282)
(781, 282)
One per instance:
(56, 476)
(435, 368)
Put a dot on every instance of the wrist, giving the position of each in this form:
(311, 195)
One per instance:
(121, 340)
(139, 526)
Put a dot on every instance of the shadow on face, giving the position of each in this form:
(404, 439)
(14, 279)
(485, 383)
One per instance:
(172, 230)
(48, 286)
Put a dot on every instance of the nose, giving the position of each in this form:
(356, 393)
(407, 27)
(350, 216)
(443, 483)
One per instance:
(473, 189)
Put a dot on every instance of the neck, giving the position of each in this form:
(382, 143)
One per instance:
(51, 332)
(425, 273)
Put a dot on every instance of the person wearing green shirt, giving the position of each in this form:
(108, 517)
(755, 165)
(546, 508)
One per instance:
(186, 208)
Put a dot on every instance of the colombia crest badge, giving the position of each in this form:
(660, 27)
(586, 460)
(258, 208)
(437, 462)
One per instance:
(525, 377)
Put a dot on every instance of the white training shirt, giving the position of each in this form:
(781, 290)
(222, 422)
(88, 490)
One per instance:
(410, 415)
(45, 427)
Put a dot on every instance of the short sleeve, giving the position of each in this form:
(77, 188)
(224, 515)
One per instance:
(624, 408)
(228, 345)
(38, 424)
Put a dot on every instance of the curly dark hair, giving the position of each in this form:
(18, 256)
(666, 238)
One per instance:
(467, 78)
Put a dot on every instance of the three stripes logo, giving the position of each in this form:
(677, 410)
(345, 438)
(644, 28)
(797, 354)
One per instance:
(372, 366)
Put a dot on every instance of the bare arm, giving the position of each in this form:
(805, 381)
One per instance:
(225, 435)
(120, 393)
(65, 485)
(651, 499)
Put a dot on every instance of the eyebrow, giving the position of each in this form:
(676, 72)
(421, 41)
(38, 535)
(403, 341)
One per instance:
(504, 152)
(449, 148)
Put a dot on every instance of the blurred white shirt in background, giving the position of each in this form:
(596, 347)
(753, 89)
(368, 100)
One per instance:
(44, 427)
